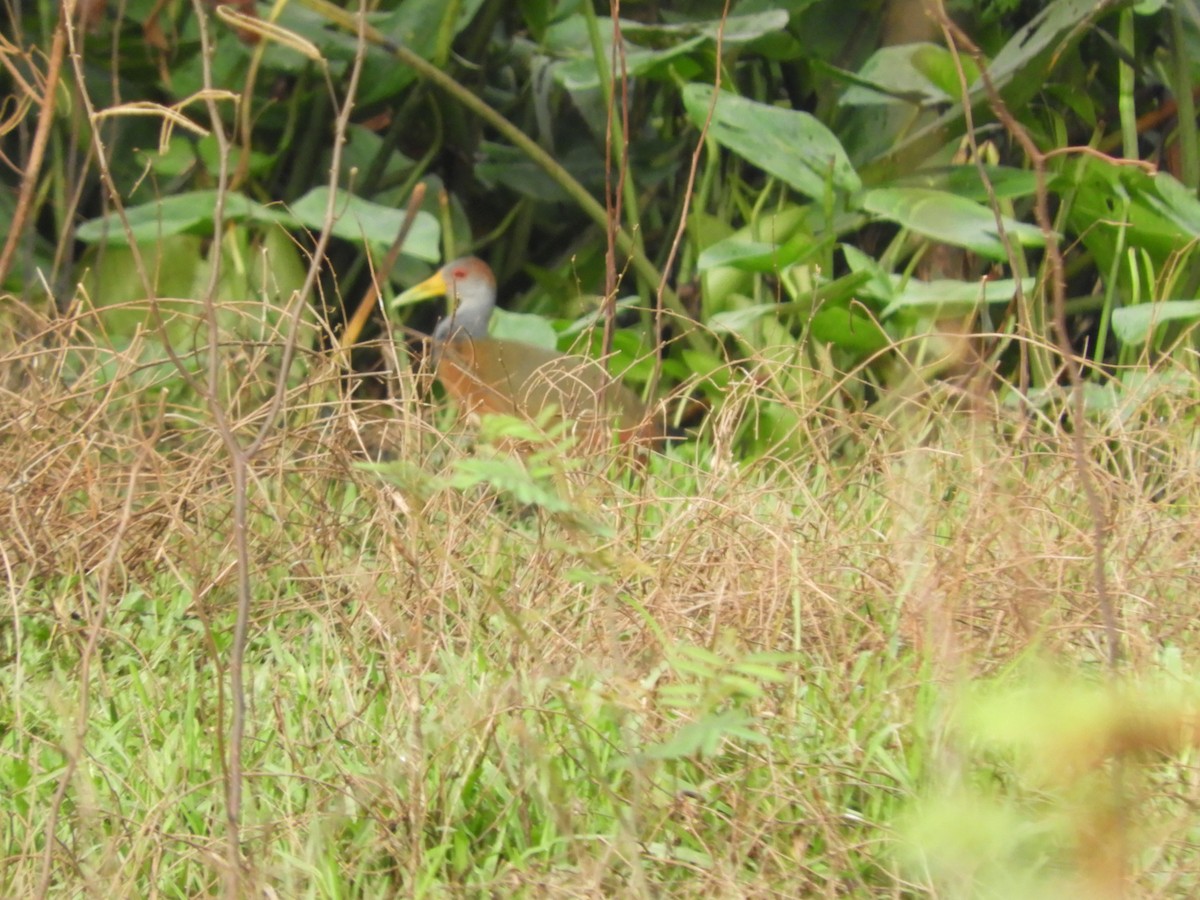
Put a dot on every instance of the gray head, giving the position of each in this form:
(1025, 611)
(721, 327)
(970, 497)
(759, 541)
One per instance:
(471, 287)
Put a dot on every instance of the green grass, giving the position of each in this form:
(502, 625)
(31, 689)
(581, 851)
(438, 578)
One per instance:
(471, 674)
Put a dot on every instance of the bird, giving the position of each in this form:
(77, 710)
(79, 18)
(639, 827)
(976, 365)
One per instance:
(491, 375)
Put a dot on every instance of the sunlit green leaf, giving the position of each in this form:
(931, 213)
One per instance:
(848, 330)
(711, 367)
(950, 219)
(506, 475)
(948, 296)
(759, 256)
(733, 29)
(904, 73)
(704, 737)
(793, 146)
(737, 321)
(187, 213)
(1004, 182)
(1135, 324)
(356, 219)
(524, 327)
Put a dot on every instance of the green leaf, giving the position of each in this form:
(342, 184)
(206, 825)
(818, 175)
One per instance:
(905, 73)
(950, 219)
(1019, 71)
(419, 26)
(738, 252)
(736, 29)
(1135, 324)
(706, 365)
(759, 256)
(501, 164)
(1158, 214)
(790, 145)
(650, 50)
(1005, 181)
(738, 321)
(527, 328)
(878, 283)
(740, 685)
(940, 67)
(704, 737)
(356, 219)
(1051, 32)
(187, 213)
(762, 672)
(950, 297)
(506, 475)
(839, 326)
(536, 14)
(581, 75)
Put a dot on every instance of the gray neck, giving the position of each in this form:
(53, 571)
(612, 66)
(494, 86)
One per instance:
(468, 321)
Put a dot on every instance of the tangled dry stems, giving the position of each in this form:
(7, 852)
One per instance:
(951, 520)
(952, 531)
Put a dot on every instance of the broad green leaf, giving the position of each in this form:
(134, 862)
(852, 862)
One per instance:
(1051, 32)
(711, 367)
(839, 326)
(721, 282)
(1135, 324)
(507, 475)
(903, 73)
(704, 737)
(940, 67)
(738, 252)
(581, 75)
(111, 279)
(178, 158)
(501, 164)
(738, 321)
(356, 219)
(1156, 212)
(1170, 199)
(419, 26)
(595, 319)
(759, 256)
(878, 283)
(568, 41)
(187, 213)
(1019, 71)
(524, 327)
(790, 145)
(948, 296)
(1005, 181)
(736, 29)
(950, 219)
(208, 151)
(536, 14)
(650, 50)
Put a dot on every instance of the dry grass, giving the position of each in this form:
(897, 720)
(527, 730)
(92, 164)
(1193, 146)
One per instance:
(555, 676)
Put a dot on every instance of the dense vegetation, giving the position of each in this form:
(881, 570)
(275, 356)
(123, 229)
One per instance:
(908, 611)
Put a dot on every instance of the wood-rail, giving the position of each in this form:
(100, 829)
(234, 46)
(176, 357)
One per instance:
(486, 374)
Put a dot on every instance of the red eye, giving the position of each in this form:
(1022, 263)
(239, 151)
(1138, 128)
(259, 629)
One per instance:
(459, 274)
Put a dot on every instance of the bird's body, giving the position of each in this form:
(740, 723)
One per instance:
(485, 374)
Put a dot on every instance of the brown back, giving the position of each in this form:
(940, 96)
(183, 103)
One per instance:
(519, 379)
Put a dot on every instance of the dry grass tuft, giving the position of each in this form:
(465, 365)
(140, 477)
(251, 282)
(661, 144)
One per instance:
(553, 673)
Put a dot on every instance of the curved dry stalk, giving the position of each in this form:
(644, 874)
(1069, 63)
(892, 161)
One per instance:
(955, 38)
